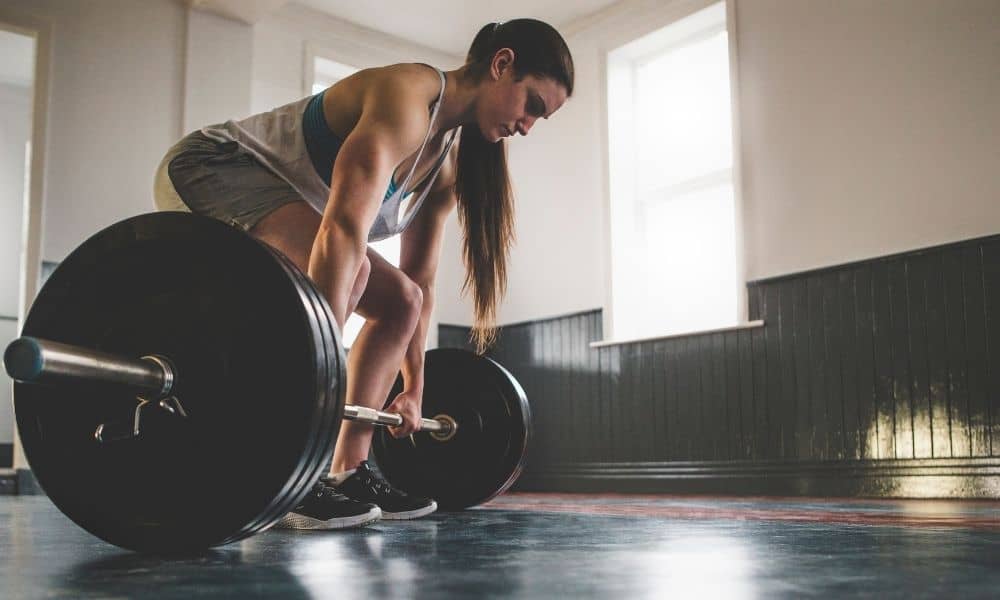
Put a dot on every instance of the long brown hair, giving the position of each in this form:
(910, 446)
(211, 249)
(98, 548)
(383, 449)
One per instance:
(482, 183)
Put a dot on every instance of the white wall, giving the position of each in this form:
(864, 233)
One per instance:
(217, 70)
(868, 128)
(285, 41)
(15, 121)
(114, 107)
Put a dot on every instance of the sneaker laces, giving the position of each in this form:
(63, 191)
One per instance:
(379, 485)
(322, 491)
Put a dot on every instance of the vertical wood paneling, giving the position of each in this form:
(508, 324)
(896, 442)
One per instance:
(788, 406)
(607, 404)
(656, 398)
(884, 359)
(701, 366)
(958, 381)
(975, 332)
(572, 331)
(732, 396)
(761, 384)
(687, 397)
(882, 332)
(816, 368)
(677, 431)
(779, 400)
(805, 431)
(832, 374)
(644, 413)
(847, 351)
(937, 353)
(617, 423)
(865, 371)
(543, 374)
(583, 408)
(900, 340)
(627, 402)
(991, 292)
(920, 384)
(754, 301)
(747, 402)
(594, 448)
(648, 413)
(715, 412)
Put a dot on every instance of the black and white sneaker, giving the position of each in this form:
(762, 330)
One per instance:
(325, 508)
(367, 485)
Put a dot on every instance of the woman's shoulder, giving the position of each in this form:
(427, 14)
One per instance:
(411, 81)
(395, 94)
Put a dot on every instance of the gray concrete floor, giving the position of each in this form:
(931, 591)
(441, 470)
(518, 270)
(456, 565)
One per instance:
(544, 546)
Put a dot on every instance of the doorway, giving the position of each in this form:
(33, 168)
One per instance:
(17, 88)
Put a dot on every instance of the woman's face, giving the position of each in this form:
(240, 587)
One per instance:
(509, 107)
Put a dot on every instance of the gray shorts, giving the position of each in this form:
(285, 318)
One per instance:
(220, 180)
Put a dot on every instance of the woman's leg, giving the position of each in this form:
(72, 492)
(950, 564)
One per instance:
(390, 305)
(388, 300)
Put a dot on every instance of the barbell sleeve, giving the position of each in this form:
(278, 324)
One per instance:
(34, 360)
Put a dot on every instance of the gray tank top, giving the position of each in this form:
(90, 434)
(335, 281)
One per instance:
(275, 138)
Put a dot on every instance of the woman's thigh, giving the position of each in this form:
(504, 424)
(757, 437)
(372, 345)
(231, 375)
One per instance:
(292, 229)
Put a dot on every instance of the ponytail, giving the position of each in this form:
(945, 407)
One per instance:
(485, 198)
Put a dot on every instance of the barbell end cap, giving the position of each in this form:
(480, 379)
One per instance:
(23, 359)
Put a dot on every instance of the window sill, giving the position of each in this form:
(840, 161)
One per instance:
(747, 325)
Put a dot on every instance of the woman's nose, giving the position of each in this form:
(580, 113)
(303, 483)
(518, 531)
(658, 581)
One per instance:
(524, 125)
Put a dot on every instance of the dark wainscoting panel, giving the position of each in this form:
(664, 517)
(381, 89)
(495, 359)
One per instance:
(876, 378)
(6, 456)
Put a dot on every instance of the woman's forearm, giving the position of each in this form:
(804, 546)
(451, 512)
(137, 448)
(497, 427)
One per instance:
(336, 258)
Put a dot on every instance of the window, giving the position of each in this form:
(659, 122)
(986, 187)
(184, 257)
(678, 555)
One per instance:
(326, 73)
(673, 238)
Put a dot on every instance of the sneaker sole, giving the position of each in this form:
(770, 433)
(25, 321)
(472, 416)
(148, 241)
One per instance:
(410, 514)
(297, 521)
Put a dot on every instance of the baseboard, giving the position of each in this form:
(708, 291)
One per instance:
(921, 478)
(27, 485)
(8, 482)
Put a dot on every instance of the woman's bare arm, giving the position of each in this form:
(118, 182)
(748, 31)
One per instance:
(393, 123)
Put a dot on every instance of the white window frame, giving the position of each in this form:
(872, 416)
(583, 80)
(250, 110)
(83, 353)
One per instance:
(642, 26)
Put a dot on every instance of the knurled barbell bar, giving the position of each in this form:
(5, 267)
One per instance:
(235, 400)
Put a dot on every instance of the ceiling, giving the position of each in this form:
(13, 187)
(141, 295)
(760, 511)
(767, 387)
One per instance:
(18, 64)
(449, 25)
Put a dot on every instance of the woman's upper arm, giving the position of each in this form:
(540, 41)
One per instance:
(392, 125)
(420, 243)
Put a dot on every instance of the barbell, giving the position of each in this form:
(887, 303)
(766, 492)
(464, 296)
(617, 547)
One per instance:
(180, 385)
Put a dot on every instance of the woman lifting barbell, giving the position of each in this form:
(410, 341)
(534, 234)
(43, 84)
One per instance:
(309, 179)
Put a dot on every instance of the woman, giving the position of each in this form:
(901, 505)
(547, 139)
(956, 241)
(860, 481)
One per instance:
(310, 178)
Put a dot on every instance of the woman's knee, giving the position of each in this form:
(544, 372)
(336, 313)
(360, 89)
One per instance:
(413, 299)
(398, 306)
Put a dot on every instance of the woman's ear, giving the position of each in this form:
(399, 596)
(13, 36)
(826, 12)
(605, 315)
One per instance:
(503, 59)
